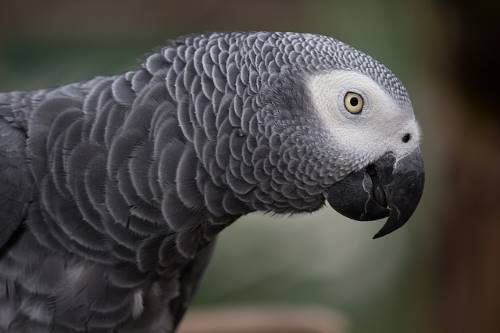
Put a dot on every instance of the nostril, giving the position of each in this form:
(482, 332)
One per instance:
(406, 137)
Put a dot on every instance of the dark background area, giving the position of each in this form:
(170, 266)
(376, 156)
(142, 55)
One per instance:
(441, 273)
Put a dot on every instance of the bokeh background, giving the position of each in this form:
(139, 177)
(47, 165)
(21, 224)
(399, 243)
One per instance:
(441, 272)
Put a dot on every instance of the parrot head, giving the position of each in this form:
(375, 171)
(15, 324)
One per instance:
(378, 136)
(343, 130)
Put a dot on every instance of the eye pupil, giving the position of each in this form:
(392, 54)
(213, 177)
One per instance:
(354, 101)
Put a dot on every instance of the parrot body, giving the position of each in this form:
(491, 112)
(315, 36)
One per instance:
(114, 190)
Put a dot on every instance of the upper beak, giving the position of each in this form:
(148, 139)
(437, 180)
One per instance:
(387, 187)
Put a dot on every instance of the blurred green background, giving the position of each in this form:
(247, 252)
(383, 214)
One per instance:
(439, 273)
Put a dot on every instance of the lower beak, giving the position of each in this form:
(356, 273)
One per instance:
(386, 188)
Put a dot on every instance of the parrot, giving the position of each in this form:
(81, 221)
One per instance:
(113, 190)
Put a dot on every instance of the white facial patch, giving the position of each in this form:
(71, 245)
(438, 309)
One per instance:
(382, 125)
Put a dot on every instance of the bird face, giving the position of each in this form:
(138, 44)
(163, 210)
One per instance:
(376, 139)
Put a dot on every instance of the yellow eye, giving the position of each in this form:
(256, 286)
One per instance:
(353, 102)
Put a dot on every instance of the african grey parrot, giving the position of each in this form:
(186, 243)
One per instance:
(113, 190)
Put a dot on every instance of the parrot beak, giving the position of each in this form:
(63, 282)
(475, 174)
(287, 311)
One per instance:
(386, 188)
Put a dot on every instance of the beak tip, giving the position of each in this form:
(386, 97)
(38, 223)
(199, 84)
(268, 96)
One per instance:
(380, 233)
(391, 225)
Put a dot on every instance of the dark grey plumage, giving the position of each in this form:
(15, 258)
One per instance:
(113, 190)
